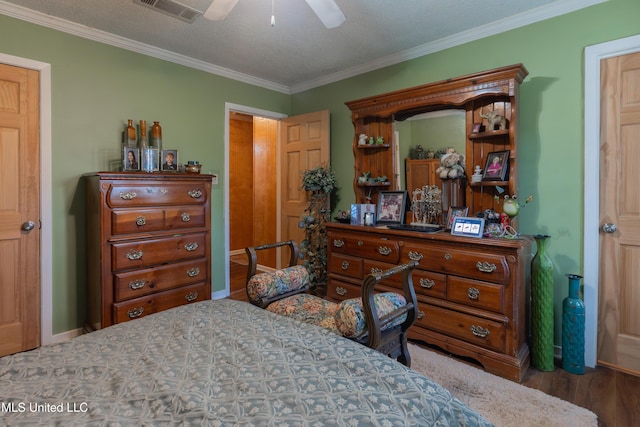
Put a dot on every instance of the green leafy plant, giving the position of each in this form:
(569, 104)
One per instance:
(319, 179)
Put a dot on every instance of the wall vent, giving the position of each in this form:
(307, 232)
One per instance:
(172, 8)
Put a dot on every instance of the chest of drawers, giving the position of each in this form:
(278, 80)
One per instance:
(472, 293)
(148, 243)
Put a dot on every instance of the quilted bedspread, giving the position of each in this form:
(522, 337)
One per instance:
(219, 363)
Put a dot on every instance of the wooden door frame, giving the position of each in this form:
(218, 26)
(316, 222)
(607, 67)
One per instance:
(46, 223)
(243, 109)
(591, 215)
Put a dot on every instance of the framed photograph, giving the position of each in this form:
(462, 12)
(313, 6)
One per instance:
(169, 160)
(467, 226)
(496, 166)
(391, 206)
(130, 159)
(358, 212)
(477, 127)
(453, 213)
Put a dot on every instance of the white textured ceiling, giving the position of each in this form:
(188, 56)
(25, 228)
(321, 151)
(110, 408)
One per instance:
(298, 52)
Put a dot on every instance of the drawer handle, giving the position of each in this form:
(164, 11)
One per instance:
(136, 312)
(186, 217)
(360, 243)
(137, 284)
(479, 331)
(473, 293)
(420, 314)
(384, 250)
(338, 243)
(195, 194)
(345, 265)
(140, 221)
(375, 270)
(341, 291)
(447, 256)
(193, 272)
(129, 195)
(486, 267)
(415, 256)
(191, 246)
(191, 296)
(427, 283)
(134, 255)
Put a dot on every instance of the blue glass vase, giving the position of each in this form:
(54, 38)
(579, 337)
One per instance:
(573, 328)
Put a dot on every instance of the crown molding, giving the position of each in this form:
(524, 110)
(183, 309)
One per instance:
(557, 8)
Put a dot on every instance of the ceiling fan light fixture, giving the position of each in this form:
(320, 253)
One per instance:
(219, 9)
(328, 12)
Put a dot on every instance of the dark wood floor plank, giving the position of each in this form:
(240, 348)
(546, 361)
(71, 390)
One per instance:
(597, 392)
(628, 400)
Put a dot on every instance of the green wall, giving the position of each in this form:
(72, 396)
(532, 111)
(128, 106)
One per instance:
(96, 88)
(551, 116)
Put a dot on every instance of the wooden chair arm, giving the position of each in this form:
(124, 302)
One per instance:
(253, 256)
(375, 324)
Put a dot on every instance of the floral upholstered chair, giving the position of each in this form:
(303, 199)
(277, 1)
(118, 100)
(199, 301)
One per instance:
(377, 320)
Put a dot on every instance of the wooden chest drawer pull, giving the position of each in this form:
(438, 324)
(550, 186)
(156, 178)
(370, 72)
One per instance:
(376, 270)
(191, 296)
(140, 221)
(137, 284)
(473, 293)
(191, 246)
(447, 256)
(135, 312)
(486, 267)
(129, 195)
(420, 314)
(427, 283)
(338, 243)
(134, 255)
(341, 291)
(193, 272)
(384, 250)
(360, 243)
(345, 265)
(415, 256)
(195, 194)
(186, 217)
(479, 331)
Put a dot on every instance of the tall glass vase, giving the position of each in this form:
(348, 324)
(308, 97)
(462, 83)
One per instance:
(573, 328)
(542, 307)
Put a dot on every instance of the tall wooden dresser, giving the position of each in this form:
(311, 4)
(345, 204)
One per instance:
(148, 243)
(472, 293)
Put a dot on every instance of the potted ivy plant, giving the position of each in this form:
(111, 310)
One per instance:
(320, 182)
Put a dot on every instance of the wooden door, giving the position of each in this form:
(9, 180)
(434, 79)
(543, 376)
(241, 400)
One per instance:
(19, 210)
(304, 142)
(619, 279)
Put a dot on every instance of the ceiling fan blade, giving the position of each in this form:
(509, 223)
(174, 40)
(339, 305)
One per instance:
(328, 12)
(219, 9)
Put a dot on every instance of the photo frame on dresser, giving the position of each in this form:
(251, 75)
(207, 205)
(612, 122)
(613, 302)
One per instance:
(130, 159)
(496, 166)
(169, 160)
(391, 207)
(467, 226)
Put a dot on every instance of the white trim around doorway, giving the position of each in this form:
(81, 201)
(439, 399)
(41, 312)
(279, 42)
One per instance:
(593, 55)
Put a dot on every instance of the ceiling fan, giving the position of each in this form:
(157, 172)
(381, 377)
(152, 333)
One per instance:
(327, 10)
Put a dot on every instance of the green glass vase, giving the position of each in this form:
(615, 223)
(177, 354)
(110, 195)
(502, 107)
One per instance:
(542, 307)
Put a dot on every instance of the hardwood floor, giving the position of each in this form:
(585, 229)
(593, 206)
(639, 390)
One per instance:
(613, 396)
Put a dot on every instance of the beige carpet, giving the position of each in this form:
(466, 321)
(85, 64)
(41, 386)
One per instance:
(502, 402)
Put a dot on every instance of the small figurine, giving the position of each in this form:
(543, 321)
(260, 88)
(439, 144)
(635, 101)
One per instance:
(371, 141)
(379, 140)
(495, 121)
(477, 175)
(362, 139)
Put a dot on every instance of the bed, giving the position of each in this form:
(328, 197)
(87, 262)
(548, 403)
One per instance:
(219, 363)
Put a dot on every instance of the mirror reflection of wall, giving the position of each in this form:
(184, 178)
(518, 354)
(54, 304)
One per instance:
(437, 130)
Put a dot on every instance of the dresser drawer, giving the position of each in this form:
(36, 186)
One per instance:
(477, 265)
(378, 267)
(476, 294)
(483, 332)
(137, 283)
(345, 265)
(143, 306)
(429, 283)
(144, 253)
(147, 220)
(340, 291)
(120, 195)
(380, 249)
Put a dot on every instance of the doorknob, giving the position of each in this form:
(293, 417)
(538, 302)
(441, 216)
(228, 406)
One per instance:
(28, 226)
(608, 227)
